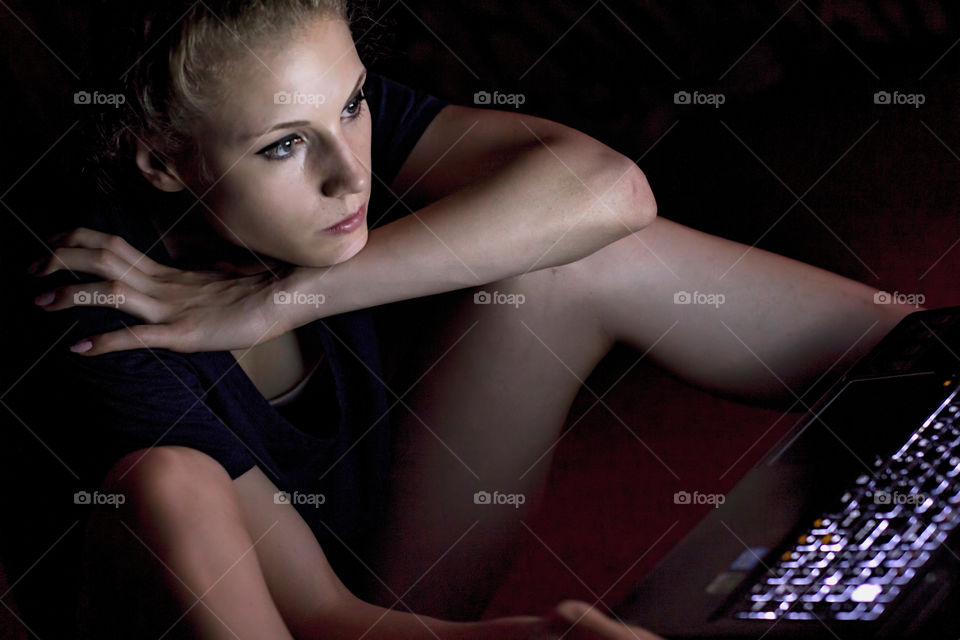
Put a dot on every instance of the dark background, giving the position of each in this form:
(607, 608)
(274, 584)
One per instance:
(879, 187)
(798, 79)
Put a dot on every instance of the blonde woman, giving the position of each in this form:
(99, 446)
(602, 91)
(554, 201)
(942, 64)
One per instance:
(276, 484)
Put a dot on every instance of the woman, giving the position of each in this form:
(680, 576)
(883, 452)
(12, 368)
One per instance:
(253, 115)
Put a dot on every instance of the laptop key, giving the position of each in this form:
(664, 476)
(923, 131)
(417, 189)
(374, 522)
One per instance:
(949, 467)
(918, 559)
(823, 526)
(805, 577)
(779, 575)
(799, 615)
(873, 559)
(757, 615)
(873, 612)
(815, 596)
(821, 560)
(839, 593)
(855, 559)
(902, 576)
(854, 612)
(888, 594)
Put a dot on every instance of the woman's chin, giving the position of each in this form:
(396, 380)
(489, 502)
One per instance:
(348, 247)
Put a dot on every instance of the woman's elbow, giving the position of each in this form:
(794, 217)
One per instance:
(637, 208)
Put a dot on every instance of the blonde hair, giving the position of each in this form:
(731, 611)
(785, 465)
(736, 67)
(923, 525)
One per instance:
(178, 50)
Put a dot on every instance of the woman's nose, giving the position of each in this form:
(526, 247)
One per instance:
(346, 174)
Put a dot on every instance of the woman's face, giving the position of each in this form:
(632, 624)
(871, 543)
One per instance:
(289, 149)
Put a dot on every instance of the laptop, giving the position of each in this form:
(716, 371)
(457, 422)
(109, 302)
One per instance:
(848, 527)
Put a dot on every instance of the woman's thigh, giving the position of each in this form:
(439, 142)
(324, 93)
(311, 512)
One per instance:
(508, 357)
(486, 376)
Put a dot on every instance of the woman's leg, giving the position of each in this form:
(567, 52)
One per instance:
(743, 322)
(175, 560)
(497, 381)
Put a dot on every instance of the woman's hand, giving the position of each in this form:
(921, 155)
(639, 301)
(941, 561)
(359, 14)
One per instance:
(569, 620)
(187, 310)
(577, 620)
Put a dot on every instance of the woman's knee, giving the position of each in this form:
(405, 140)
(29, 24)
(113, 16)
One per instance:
(170, 494)
(161, 467)
(166, 481)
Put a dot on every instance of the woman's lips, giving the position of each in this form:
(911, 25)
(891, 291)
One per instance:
(348, 225)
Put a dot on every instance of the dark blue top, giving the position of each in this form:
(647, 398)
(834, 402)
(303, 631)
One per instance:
(119, 402)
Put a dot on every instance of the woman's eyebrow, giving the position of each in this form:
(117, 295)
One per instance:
(279, 125)
(301, 123)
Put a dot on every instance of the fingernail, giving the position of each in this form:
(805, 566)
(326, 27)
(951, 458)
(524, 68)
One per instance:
(33, 267)
(83, 345)
(44, 298)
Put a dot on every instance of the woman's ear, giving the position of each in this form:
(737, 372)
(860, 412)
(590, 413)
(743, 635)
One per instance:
(156, 171)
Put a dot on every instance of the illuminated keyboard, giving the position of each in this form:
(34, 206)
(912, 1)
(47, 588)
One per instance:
(852, 562)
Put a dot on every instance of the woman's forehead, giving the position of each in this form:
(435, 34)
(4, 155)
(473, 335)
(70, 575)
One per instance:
(306, 75)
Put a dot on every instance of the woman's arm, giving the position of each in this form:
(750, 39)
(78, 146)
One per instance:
(315, 604)
(507, 194)
(512, 194)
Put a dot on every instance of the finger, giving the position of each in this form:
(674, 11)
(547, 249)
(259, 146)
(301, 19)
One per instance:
(641, 634)
(98, 262)
(610, 628)
(55, 238)
(140, 336)
(106, 294)
(585, 622)
(571, 620)
(83, 237)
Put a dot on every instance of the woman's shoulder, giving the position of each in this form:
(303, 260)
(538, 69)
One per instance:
(400, 114)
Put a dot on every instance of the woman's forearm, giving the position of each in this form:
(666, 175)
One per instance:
(553, 204)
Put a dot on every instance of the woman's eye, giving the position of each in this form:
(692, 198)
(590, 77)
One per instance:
(352, 110)
(281, 149)
(286, 147)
